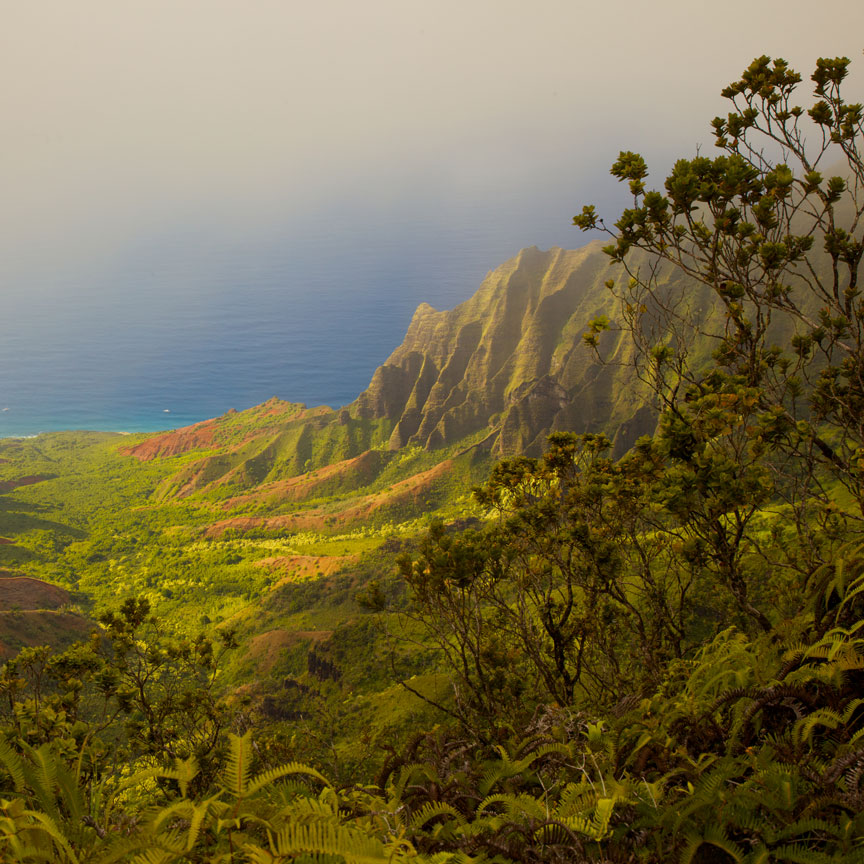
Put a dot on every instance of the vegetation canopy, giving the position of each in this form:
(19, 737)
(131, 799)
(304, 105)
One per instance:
(653, 658)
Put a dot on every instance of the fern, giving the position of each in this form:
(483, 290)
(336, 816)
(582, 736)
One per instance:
(11, 761)
(712, 836)
(235, 774)
(804, 728)
(432, 810)
(515, 806)
(41, 777)
(155, 856)
(354, 846)
(304, 810)
(266, 778)
(199, 814)
(51, 830)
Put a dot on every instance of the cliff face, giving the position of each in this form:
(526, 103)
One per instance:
(511, 358)
(508, 366)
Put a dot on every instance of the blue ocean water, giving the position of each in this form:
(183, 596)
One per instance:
(183, 326)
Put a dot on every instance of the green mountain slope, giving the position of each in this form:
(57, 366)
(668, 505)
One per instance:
(504, 368)
(509, 360)
(271, 520)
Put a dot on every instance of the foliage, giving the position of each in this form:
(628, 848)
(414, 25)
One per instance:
(753, 750)
(126, 697)
(656, 658)
(777, 244)
(572, 586)
(699, 579)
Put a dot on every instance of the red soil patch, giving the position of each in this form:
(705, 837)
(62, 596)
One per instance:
(265, 648)
(9, 485)
(202, 436)
(196, 437)
(305, 566)
(211, 434)
(304, 486)
(40, 627)
(317, 518)
(23, 592)
(5, 541)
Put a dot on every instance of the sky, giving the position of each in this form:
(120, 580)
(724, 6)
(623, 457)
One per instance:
(136, 128)
(124, 116)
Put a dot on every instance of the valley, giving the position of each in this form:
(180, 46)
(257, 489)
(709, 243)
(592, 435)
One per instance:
(579, 577)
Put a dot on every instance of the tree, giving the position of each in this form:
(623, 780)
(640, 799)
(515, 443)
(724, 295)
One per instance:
(129, 695)
(776, 243)
(594, 574)
(570, 594)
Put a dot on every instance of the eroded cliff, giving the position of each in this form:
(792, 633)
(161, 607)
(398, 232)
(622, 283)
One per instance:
(511, 359)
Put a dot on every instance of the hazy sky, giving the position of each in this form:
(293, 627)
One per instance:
(204, 203)
(124, 117)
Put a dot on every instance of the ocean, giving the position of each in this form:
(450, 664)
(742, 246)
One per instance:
(182, 326)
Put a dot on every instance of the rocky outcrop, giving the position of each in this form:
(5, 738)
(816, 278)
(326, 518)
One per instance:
(512, 358)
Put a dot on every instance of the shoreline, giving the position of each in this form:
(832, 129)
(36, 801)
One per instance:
(21, 436)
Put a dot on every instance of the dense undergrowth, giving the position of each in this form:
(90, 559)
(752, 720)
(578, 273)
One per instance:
(750, 750)
(654, 658)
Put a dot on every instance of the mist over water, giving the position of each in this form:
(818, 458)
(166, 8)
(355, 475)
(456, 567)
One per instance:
(187, 324)
(210, 203)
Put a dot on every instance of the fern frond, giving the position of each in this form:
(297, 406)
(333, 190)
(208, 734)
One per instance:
(183, 809)
(354, 846)
(11, 761)
(51, 829)
(852, 590)
(71, 798)
(432, 809)
(183, 772)
(412, 773)
(544, 750)
(274, 774)
(491, 776)
(309, 810)
(23, 852)
(235, 774)
(760, 855)
(602, 816)
(199, 814)
(289, 791)
(170, 841)
(562, 829)
(121, 849)
(712, 836)
(808, 826)
(41, 777)
(257, 855)
(520, 806)
(799, 853)
(154, 856)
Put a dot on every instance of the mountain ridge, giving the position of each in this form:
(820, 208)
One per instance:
(510, 357)
(499, 371)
